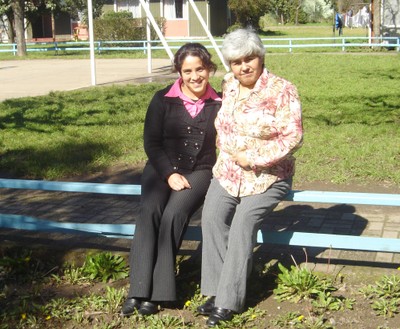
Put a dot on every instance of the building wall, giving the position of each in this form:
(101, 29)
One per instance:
(214, 13)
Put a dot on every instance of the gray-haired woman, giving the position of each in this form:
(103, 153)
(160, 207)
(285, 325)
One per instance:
(259, 127)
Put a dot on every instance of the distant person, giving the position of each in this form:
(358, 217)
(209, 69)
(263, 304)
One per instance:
(259, 127)
(179, 140)
(339, 23)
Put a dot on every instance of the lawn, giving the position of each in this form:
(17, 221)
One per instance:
(351, 109)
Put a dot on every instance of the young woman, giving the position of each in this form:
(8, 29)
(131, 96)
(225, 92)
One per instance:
(179, 140)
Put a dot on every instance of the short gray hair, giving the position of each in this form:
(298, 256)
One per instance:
(241, 43)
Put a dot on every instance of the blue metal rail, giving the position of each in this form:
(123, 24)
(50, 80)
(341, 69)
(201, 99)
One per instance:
(319, 240)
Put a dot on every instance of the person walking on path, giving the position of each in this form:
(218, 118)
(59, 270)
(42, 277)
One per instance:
(259, 127)
(179, 140)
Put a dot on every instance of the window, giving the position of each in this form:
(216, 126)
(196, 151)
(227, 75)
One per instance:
(178, 8)
(173, 9)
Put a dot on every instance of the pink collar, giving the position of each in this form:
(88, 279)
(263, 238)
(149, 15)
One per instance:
(193, 107)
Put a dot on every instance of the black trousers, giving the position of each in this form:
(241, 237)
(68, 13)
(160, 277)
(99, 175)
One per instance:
(159, 231)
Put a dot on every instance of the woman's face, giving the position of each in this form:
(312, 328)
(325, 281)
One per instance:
(247, 70)
(195, 77)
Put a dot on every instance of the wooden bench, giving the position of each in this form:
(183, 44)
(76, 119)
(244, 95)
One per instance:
(291, 238)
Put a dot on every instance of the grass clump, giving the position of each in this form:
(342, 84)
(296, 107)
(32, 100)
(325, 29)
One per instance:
(384, 295)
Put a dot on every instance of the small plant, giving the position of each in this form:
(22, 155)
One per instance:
(105, 267)
(314, 323)
(114, 298)
(165, 322)
(299, 283)
(287, 319)
(385, 307)
(386, 295)
(325, 301)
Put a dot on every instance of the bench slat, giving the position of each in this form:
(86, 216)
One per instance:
(130, 189)
(193, 233)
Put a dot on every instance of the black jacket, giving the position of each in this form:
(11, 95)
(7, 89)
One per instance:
(174, 141)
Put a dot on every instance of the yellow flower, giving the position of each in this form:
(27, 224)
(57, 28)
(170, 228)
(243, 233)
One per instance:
(48, 318)
(253, 316)
(188, 302)
(23, 316)
(398, 268)
(27, 259)
(300, 318)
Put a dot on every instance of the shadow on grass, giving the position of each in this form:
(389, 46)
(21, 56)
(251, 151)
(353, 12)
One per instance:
(61, 160)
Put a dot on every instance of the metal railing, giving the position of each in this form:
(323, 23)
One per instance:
(271, 43)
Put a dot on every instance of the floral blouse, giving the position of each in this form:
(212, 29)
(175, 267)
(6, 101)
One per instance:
(267, 125)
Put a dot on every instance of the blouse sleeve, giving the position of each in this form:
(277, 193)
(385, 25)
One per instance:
(285, 132)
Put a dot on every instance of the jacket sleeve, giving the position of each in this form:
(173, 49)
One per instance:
(154, 136)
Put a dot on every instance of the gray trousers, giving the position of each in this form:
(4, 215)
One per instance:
(229, 227)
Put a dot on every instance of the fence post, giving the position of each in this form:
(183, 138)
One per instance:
(398, 44)
(343, 44)
(290, 45)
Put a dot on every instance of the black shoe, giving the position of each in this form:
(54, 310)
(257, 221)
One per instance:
(130, 305)
(219, 314)
(148, 308)
(207, 307)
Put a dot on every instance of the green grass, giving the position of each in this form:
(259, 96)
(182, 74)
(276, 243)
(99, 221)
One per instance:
(351, 109)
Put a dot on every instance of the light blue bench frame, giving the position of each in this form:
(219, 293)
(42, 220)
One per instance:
(320, 240)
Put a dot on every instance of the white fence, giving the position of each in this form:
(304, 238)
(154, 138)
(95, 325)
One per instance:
(344, 43)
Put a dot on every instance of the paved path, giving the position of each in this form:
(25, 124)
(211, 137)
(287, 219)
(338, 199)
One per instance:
(21, 78)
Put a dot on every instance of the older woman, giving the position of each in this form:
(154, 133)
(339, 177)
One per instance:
(259, 127)
(179, 140)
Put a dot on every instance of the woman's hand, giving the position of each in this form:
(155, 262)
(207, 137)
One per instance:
(177, 182)
(240, 159)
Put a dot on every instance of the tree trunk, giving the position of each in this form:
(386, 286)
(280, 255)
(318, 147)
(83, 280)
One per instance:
(53, 26)
(18, 10)
(10, 28)
(376, 19)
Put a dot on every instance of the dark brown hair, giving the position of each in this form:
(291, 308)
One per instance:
(193, 49)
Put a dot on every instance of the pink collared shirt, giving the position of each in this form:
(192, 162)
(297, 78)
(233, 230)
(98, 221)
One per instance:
(193, 107)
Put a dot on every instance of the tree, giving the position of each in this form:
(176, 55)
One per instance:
(7, 18)
(18, 8)
(248, 13)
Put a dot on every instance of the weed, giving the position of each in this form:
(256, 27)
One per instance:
(114, 298)
(386, 295)
(299, 283)
(105, 267)
(385, 307)
(287, 319)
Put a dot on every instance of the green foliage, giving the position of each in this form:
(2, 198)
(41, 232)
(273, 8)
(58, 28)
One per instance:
(105, 267)
(122, 26)
(248, 12)
(267, 21)
(384, 295)
(300, 283)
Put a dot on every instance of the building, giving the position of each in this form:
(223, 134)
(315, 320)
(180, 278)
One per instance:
(181, 19)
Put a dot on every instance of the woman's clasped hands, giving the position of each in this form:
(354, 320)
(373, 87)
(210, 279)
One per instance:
(178, 182)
